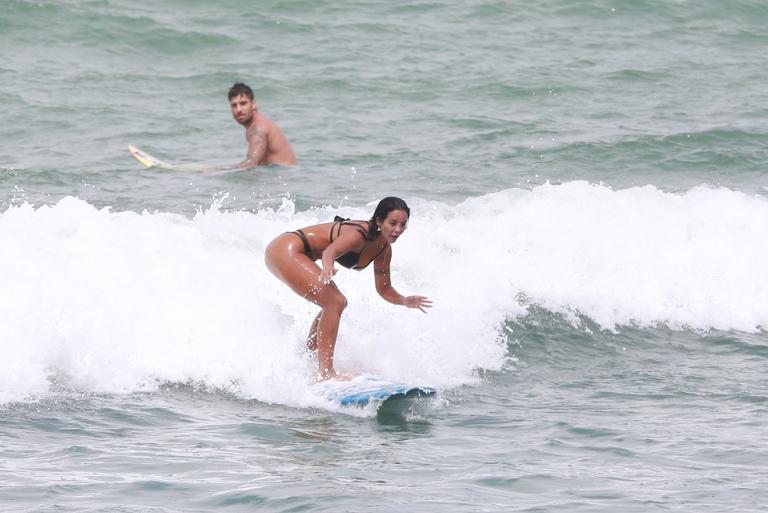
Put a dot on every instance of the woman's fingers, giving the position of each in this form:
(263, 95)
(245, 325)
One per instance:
(327, 275)
(419, 302)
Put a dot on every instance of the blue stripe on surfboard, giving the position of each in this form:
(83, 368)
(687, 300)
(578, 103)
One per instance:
(381, 394)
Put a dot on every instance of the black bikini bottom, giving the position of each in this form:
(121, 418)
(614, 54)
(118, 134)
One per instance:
(304, 239)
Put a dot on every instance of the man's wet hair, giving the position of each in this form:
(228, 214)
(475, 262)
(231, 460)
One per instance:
(240, 88)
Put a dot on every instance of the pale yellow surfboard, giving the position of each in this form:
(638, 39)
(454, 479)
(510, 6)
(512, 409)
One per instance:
(147, 159)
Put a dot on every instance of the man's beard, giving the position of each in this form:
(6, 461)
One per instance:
(246, 121)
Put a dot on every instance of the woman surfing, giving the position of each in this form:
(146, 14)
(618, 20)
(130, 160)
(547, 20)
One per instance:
(292, 258)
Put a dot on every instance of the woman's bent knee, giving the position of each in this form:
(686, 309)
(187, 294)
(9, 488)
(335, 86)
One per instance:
(337, 303)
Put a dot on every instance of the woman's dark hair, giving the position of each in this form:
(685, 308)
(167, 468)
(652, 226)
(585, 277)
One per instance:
(383, 209)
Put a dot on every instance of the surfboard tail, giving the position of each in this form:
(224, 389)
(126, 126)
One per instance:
(149, 161)
(146, 159)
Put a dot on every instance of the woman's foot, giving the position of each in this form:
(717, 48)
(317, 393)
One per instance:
(334, 375)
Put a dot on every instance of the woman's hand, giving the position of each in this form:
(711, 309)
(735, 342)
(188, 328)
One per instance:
(419, 302)
(326, 274)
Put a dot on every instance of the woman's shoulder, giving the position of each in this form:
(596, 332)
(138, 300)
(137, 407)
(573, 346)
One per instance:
(359, 226)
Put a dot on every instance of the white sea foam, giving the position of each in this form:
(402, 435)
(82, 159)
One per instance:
(104, 301)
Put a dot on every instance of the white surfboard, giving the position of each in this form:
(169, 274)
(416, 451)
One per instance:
(150, 161)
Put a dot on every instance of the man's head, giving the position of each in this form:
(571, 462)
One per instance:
(240, 88)
(242, 103)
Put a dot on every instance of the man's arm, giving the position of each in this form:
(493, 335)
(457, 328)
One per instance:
(257, 148)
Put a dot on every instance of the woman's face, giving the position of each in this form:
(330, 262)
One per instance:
(393, 225)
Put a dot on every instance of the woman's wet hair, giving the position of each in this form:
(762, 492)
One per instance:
(383, 209)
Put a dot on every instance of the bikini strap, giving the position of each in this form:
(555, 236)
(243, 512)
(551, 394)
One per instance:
(305, 240)
(379, 253)
(340, 221)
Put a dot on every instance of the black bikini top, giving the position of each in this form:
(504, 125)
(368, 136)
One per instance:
(351, 260)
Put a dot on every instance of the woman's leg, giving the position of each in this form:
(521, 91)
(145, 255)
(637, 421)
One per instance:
(285, 259)
(333, 305)
(312, 337)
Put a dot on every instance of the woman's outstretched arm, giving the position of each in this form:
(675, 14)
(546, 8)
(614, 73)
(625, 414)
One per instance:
(387, 291)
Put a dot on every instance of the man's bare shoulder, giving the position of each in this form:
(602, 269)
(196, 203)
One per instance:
(265, 131)
(259, 128)
(266, 124)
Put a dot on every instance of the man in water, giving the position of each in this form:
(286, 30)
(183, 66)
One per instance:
(266, 142)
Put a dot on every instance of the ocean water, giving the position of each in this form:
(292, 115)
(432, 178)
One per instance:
(589, 206)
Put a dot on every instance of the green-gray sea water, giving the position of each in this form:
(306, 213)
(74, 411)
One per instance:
(589, 202)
